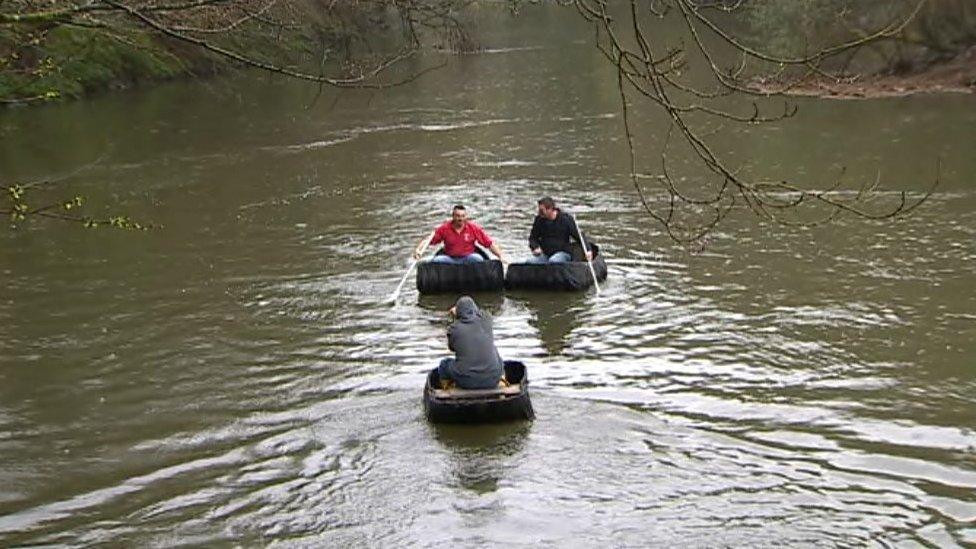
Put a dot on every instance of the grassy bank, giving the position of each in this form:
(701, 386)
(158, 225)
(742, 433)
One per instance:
(65, 49)
(45, 57)
(72, 62)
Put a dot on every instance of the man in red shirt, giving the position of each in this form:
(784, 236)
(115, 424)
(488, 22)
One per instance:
(459, 237)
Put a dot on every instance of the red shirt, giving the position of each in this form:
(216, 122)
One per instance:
(460, 244)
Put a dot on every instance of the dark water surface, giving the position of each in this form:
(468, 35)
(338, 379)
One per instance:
(235, 378)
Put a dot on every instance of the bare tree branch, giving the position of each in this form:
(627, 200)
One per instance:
(646, 66)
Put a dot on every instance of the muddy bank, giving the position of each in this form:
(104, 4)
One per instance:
(956, 76)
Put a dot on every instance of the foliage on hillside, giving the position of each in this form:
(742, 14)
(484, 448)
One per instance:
(58, 48)
(940, 31)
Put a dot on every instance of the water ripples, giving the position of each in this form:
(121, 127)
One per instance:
(243, 379)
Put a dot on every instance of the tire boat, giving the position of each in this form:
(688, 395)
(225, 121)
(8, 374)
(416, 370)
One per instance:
(571, 276)
(486, 276)
(504, 403)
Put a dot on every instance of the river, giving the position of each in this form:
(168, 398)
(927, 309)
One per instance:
(235, 378)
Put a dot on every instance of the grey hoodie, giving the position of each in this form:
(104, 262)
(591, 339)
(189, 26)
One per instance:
(477, 362)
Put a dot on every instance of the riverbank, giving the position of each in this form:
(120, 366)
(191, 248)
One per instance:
(955, 76)
(73, 63)
(67, 60)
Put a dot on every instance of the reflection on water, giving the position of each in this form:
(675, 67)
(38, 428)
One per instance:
(554, 315)
(483, 454)
(238, 379)
(491, 302)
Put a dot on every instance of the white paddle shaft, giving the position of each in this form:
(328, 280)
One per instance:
(396, 293)
(579, 233)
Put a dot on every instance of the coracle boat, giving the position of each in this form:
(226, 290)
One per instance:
(485, 276)
(503, 403)
(572, 275)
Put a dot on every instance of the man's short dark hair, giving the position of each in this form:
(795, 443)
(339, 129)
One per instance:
(459, 207)
(548, 202)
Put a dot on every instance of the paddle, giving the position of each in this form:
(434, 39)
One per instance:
(396, 293)
(586, 252)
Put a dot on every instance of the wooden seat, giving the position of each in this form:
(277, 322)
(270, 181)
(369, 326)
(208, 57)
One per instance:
(457, 392)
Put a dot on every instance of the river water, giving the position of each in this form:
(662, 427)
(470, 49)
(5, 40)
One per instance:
(234, 378)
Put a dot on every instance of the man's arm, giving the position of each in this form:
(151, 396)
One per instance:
(434, 238)
(488, 242)
(498, 252)
(570, 223)
(534, 244)
(450, 340)
(575, 235)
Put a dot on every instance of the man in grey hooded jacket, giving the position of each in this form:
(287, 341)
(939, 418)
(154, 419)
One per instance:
(476, 363)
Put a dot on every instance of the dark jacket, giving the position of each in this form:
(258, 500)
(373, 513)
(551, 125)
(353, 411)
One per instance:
(477, 363)
(553, 235)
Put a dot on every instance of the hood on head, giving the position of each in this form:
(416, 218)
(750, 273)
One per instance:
(465, 308)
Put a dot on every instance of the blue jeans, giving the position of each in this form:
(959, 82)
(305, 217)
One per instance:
(446, 367)
(444, 258)
(558, 257)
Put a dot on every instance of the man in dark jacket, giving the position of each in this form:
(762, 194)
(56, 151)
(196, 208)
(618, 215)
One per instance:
(476, 363)
(552, 233)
